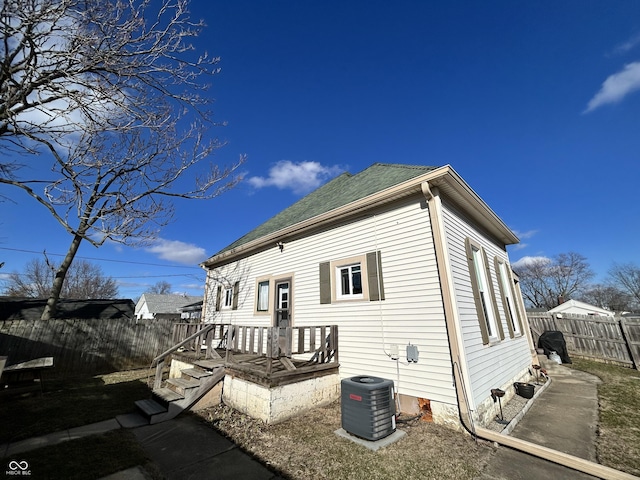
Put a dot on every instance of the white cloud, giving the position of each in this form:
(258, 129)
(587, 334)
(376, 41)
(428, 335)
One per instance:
(628, 45)
(300, 177)
(522, 236)
(177, 251)
(524, 261)
(616, 87)
(526, 234)
(192, 286)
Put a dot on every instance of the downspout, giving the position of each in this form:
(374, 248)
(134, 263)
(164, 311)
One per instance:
(450, 312)
(457, 355)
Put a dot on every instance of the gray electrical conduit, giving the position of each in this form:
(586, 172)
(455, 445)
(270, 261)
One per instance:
(545, 453)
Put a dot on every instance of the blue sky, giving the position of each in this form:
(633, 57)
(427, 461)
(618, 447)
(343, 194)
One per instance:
(535, 104)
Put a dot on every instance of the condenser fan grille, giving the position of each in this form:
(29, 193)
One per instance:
(368, 408)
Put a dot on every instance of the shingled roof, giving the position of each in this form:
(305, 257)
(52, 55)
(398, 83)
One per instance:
(349, 195)
(169, 303)
(19, 308)
(340, 191)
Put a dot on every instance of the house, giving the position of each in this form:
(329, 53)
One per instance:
(191, 312)
(581, 308)
(21, 308)
(411, 265)
(166, 306)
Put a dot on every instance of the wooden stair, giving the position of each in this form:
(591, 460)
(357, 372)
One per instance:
(180, 394)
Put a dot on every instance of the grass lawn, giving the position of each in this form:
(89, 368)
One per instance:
(303, 447)
(306, 447)
(619, 430)
(71, 403)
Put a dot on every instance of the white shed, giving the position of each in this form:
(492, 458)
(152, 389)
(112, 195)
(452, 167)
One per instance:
(581, 308)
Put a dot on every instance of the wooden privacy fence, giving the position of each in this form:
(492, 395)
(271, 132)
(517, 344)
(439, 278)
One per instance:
(615, 339)
(85, 346)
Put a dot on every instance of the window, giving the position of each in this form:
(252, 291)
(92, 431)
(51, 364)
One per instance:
(350, 281)
(262, 294)
(508, 298)
(228, 297)
(355, 278)
(484, 297)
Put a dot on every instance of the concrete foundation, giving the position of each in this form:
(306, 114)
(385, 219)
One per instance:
(488, 409)
(276, 404)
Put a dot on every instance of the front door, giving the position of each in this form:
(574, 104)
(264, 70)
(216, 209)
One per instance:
(283, 303)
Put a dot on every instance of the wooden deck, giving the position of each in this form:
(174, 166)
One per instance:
(268, 356)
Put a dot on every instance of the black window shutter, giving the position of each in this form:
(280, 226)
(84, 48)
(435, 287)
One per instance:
(325, 283)
(236, 294)
(508, 310)
(218, 297)
(374, 276)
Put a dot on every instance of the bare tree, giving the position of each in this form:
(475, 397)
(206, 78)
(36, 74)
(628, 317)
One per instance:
(545, 283)
(162, 287)
(83, 280)
(607, 296)
(103, 115)
(626, 277)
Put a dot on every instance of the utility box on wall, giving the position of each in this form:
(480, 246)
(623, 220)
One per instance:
(368, 408)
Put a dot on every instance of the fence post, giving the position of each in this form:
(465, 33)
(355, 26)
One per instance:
(626, 336)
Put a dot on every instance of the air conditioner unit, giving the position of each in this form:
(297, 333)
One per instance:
(368, 408)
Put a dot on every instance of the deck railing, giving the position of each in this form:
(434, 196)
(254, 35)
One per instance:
(188, 335)
(319, 343)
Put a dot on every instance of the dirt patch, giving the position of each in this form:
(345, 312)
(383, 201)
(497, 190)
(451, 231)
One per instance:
(307, 447)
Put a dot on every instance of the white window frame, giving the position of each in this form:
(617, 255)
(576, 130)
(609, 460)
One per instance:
(336, 279)
(264, 297)
(351, 271)
(507, 291)
(485, 292)
(227, 300)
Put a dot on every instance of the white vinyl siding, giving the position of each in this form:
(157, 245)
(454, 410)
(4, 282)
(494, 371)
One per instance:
(411, 313)
(489, 366)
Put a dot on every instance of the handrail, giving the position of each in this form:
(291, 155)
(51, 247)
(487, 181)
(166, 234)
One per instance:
(182, 343)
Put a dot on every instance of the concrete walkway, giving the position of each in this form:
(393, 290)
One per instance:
(181, 448)
(185, 448)
(564, 417)
(14, 448)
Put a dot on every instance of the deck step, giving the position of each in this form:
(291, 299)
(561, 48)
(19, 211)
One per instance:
(194, 373)
(150, 407)
(181, 385)
(210, 364)
(167, 394)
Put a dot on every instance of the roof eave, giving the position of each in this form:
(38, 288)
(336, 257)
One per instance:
(454, 187)
(443, 177)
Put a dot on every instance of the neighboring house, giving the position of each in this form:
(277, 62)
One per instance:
(21, 308)
(158, 306)
(582, 308)
(191, 312)
(410, 264)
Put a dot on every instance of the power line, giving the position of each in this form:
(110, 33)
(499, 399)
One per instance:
(102, 259)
